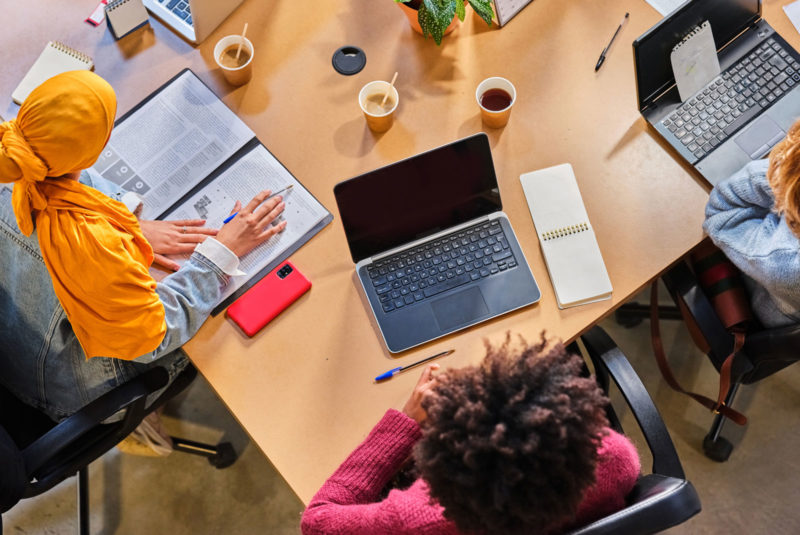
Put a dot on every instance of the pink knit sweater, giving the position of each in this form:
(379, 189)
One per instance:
(346, 503)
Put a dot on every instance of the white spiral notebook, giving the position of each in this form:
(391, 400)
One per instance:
(54, 59)
(569, 246)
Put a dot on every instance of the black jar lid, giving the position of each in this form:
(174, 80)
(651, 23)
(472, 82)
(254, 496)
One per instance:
(349, 60)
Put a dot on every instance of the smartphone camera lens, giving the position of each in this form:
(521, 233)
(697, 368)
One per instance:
(284, 271)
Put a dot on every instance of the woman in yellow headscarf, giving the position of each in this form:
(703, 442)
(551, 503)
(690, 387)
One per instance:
(79, 311)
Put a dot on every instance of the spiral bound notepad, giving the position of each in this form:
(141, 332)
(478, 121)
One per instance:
(124, 16)
(569, 246)
(54, 59)
(694, 61)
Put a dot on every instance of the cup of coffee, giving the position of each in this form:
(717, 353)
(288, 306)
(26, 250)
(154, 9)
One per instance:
(495, 96)
(236, 65)
(379, 113)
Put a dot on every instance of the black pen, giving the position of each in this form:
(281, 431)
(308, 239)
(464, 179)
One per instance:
(603, 53)
(391, 373)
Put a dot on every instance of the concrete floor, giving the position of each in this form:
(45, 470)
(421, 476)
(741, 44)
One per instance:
(181, 494)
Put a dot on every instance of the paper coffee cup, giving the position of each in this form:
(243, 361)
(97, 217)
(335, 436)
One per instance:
(495, 97)
(237, 73)
(379, 118)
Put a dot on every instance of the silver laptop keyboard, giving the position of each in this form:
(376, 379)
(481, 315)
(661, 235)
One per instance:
(180, 8)
(431, 268)
(733, 98)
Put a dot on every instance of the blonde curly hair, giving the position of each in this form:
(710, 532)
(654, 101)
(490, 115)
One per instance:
(783, 175)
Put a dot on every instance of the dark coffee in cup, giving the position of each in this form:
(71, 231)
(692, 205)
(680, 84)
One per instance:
(496, 99)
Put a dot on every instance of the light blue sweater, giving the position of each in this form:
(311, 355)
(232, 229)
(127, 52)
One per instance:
(741, 221)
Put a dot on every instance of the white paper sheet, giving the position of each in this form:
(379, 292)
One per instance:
(665, 6)
(793, 12)
(172, 143)
(255, 171)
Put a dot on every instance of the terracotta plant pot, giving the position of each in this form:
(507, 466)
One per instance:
(413, 20)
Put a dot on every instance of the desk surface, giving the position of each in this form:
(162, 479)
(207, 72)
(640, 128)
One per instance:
(303, 387)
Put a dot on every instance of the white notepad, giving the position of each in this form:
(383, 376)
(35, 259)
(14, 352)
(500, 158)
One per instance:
(694, 61)
(54, 59)
(569, 246)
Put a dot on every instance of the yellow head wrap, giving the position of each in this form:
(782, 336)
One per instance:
(91, 244)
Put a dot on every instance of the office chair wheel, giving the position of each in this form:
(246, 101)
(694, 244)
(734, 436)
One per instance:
(224, 457)
(717, 450)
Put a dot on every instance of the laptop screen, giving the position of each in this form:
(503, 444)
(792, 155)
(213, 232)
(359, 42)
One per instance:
(651, 51)
(417, 197)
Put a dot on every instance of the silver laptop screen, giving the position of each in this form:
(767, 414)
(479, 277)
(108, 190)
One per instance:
(417, 197)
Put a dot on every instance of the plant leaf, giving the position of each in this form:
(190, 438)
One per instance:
(460, 10)
(484, 9)
(434, 16)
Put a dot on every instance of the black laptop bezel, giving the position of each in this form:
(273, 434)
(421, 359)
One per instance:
(644, 101)
(355, 252)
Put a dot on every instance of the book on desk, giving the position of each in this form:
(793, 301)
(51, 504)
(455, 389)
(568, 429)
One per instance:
(188, 156)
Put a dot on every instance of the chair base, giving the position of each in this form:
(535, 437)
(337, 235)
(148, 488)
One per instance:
(717, 450)
(220, 456)
(631, 314)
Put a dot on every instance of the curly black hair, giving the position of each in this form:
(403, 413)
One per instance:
(510, 445)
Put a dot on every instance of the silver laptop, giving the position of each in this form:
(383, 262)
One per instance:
(740, 114)
(433, 250)
(194, 20)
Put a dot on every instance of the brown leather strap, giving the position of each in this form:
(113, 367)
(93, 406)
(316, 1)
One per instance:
(724, 374)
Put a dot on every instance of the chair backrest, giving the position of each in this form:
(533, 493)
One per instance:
(765, 351)
(659, 500)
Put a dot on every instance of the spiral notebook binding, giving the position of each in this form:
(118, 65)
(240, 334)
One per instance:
(111, 6)
(61, 47)
(565, 231)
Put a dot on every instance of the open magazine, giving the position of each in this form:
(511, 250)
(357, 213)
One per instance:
(189, 156)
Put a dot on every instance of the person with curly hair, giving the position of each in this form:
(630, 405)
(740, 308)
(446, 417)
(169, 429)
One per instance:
(754, 218)
(519, 444)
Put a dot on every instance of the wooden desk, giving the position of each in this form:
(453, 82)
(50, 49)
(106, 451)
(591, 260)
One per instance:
(303, 387)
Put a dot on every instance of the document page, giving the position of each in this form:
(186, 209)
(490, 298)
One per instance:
(170, 144)
(255, 171)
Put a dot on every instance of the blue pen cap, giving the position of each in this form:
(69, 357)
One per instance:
(387, 375)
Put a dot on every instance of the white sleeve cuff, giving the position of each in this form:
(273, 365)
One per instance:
(221, 256)
(133, 202)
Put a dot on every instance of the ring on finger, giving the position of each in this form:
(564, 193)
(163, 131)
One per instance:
(183, 230)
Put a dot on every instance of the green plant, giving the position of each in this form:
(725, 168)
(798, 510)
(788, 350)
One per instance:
(436, 15)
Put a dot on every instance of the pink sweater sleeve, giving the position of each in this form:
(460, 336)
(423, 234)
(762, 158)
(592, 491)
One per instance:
(617, 470)
(346, 502)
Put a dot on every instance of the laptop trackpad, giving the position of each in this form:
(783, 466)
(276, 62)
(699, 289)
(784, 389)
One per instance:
(759, 137)
(460, 309)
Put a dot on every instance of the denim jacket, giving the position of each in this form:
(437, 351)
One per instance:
(41, 360)
(741, 221)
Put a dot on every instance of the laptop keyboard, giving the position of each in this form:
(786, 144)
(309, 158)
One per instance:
(734, 97)
(180, 8)
(429, 269)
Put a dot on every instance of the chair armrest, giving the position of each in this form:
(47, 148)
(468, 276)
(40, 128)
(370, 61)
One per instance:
(606, 355)
(130, 395)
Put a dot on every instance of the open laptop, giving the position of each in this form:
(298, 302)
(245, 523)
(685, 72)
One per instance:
(194, 20)
(433, 251)
(742, 113)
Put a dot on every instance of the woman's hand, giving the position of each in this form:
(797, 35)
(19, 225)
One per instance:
(252, 226)
(174, 237)
(413, 408)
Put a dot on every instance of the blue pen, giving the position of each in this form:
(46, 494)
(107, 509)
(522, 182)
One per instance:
(392, 373)
(290, 186)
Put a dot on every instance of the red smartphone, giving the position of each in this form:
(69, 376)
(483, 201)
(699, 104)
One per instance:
(268, 298)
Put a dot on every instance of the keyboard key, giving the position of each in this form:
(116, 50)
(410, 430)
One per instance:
(388, 307)
(449, 284)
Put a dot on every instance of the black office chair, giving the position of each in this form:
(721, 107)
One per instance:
(765, 351)
(36, 453)
(663, 498)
